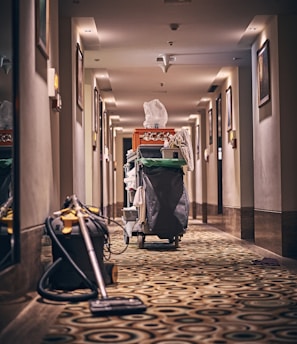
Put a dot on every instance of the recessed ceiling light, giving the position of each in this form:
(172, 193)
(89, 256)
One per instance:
(174, 26)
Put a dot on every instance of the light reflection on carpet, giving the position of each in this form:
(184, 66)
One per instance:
(206, 291)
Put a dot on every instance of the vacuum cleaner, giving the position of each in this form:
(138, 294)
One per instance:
(88, 223)
(6, 233)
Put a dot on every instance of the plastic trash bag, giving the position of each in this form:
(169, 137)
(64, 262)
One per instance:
(155, 114)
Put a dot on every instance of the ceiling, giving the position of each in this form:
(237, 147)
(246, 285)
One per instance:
(122, 40)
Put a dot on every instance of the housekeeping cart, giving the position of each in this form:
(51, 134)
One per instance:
(160, 204)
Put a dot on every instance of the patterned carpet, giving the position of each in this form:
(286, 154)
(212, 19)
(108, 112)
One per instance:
(211, 289)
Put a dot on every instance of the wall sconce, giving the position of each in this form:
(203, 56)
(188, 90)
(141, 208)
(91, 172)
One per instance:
(53, 89)
(94, 139)
(232, 139)
(165, 60)
(206, 154)
(106, 153)
(57, 103)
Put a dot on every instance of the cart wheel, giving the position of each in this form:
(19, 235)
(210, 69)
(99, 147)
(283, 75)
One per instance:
(140, 240)
(126, 239)
(176, 241)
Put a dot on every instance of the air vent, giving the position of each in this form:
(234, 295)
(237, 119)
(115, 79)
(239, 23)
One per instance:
(177, 1)
(161, 58)
(212, 88)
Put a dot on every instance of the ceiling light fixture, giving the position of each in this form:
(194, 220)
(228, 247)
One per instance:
(165, 60)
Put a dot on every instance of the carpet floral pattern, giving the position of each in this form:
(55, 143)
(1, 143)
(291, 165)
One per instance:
(210, 289)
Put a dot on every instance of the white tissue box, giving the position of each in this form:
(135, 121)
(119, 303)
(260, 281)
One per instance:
(171, 153)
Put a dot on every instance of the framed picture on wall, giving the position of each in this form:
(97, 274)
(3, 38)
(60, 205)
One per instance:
(41, 24)
(210, 123)
(79, 76)
(229, 107)
(263, 70)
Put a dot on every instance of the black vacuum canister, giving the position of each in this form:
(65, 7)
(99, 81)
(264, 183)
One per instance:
(65, 277)
(6, 252)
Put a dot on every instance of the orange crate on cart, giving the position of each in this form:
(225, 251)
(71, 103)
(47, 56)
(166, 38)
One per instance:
(150, 136)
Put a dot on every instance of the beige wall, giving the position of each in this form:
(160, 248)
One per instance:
(200, 166)
(78, 122)
(37, 184)
(275, 123)
(38, 129)
(231, 168)
(267, 158)
(92, 157)
(231, 157)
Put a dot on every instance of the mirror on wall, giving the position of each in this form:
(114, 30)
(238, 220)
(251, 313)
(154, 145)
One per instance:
(8, 235)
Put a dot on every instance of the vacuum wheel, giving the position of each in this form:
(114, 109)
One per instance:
(112, 272)
(176, 241)
(140, 240)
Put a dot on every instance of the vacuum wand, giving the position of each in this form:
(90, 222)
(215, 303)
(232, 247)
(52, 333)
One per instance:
(106, 305)
(90, 248)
